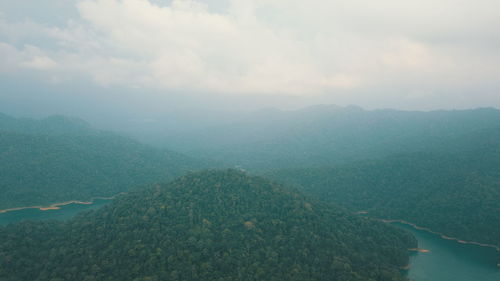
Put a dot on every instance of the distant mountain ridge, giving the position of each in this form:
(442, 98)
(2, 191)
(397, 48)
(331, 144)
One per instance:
(211, 225)
(52, 125)
(58, 159)
(328, 135)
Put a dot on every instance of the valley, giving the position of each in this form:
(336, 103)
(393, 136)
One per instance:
(249, 140)
(432, 186)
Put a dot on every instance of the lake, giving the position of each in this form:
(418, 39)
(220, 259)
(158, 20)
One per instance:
(451, 261)
(65, 212)
(447, 260)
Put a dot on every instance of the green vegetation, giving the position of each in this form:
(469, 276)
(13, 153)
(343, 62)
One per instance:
(211, 225)
(328, 135)
(437, 169)
(52, 125)
(458, 195)
(73, 162)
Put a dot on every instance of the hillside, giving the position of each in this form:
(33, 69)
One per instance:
(325, 135)
(211, 225)
(52, 125)
(74, 162)
(456, 194)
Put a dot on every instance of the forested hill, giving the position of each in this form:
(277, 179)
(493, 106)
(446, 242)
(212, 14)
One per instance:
(211, 225)
(52, 125)
(458, 195)
(71, 162)
(328, 135)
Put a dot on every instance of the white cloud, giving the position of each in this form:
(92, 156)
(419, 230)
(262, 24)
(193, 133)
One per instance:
(268, 46)
(186, 46)
(13, 59)
(40, 63)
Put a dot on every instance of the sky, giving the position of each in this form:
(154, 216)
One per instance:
(95, 56)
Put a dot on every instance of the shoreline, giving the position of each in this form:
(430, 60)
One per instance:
(443, 236)
(57, 206)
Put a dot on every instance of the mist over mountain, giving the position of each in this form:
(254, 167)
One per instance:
(52, 125)
(58, 159)
(445, 178)
(321, 135)
(361, 111)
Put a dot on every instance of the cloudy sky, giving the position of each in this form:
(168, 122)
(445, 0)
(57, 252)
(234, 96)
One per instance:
(388, 53)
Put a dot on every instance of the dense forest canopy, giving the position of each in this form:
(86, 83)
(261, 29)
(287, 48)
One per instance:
(211, 225)
(59, 159)
(458, 195)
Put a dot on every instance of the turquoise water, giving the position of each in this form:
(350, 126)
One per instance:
(66, 212)
(451, 261)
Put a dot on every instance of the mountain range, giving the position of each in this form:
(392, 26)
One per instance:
(58, 159)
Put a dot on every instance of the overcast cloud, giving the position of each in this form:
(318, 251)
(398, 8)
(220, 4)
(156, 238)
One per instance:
(429, 53)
